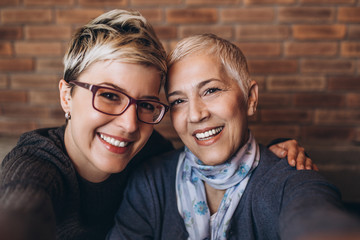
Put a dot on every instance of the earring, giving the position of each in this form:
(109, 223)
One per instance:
(68, 115)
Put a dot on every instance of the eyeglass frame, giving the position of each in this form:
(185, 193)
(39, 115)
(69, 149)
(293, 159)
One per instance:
(94, 88)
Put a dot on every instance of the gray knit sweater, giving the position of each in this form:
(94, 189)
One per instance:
(43, 197)
(279, 202)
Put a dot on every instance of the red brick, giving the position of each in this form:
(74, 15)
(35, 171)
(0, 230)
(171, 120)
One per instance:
(201, 15)
(231, 15)
(226, 32)
(354, 32)
(296, 83)
(15, 126)
(5, 49)
(16, 64)
(327, 66)
(49, 2)
(45, 98)
(326, 1)
(349, 14)
(4, 3)
(48, 32)
(3, 81)
(317, 100)
(341, 117)
(306, 14)
(262, 32)
(166, 32)
(257, 49)
(357, 136)
(265, 133)
(319, 32)
(81, 16)
(155, 2)
(346, 83)
(273, 66)
(11, 96)
(26, 16)
(267, 100)
(38, 48)
(350, 49)
(251, 2)
(325, 133)
(353, 100)
(35, 81)
(24, 111)
(103, 3)
(212, 2)
(46, 65)
(297, 49)
(260, 81)
(10, 33)
(285, 116)
(152, 15)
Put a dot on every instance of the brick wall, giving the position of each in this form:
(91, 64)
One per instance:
(303, 53)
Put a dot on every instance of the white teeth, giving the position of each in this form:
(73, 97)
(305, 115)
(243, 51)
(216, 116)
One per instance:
(114, 141)
(208, 134)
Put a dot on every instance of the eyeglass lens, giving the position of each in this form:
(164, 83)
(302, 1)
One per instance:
(114, 102)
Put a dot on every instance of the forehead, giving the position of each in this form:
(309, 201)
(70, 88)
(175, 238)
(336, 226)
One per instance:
(193, 69)
(128, 76)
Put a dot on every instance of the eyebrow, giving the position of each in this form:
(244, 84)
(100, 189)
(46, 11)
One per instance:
(124, 91)
(199, 85)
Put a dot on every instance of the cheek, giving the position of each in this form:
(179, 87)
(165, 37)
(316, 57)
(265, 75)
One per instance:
(178, 120)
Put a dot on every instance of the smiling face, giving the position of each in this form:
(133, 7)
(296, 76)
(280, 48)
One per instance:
(99, 144)
(208, 110)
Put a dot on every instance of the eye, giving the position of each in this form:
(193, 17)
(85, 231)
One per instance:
(146, 106)
(111, 96)
(176, 102)
(212, 90)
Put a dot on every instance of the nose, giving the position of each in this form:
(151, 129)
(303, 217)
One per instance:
(198, 111)
(128, 120)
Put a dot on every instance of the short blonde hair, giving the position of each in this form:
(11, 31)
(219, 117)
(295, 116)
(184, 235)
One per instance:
(120, 35)
(232, 59)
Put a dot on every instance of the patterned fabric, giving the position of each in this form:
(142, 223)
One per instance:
(233, 175)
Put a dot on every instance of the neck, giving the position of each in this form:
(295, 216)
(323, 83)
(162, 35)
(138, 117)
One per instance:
(213, 197)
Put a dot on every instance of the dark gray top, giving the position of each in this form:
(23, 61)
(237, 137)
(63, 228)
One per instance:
(43, 197)
(279, 202)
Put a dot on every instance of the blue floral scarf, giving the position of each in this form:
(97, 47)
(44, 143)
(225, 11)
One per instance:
(232, 175)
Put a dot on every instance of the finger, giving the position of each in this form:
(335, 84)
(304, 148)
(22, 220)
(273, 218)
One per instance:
(308, 164)
(315, 167)
(300, 160)
(293, 155)
(278, 151)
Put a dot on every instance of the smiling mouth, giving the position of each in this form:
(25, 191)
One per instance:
(208, 134)
(113, 141)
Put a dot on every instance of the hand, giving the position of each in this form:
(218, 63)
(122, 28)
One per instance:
(295, 154)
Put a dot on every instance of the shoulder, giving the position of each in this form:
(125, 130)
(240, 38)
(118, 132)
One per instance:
(274, 175)
(156, 145)
(38, 158)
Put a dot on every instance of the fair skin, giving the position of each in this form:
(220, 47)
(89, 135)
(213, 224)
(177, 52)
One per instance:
(209, 112)
(94, 158)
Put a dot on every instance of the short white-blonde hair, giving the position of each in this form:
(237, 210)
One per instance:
(231, 57)
(119, 35)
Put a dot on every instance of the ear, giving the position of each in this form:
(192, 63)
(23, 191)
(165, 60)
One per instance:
(253, 98)
(65, 96)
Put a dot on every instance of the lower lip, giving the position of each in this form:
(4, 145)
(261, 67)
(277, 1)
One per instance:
(114, 149)
(210, 141)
